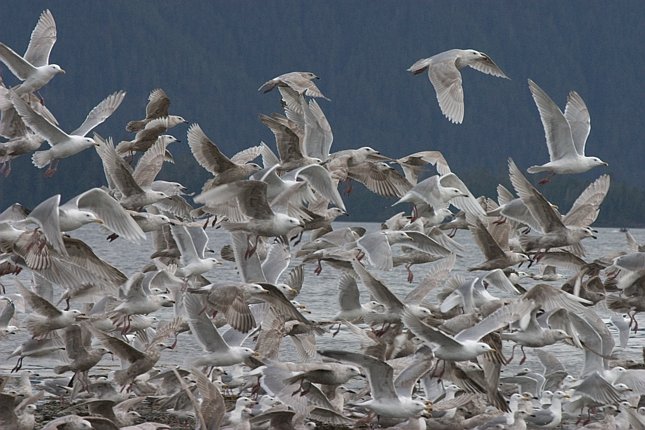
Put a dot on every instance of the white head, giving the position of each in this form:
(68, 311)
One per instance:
(55, 69)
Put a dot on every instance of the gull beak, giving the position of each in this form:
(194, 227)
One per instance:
(81, 317)
(62, 71)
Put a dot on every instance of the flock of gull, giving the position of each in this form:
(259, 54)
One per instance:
(432, 359)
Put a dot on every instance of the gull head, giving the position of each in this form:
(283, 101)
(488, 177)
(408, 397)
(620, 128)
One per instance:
(88, 141)
(481, 348)
(55, 69)
(473, 54)
(254, 289)
(254, 167)
(598, 162)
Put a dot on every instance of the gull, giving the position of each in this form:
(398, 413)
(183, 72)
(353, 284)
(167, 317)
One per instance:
(82, 358)
(413, 164)
(105, 209)
(314, 129)
(300, 82)
(381, 293)
(36, 348)
(192, 243)
(252, 199)
(534, 335)
(289, 143)
(378, 246)
(386, 400)
(231, 300)
(380, 178)
(119, 173)
(445, 76)
(34, 68)
(349, 303)
(140, 361)
(64, 145)
(47, 317)
(6, 315)
(316, 177)
(211, 158)
(474, 293)
(554, 232)
(29, 142)
(145, 138)
(439, 191)
(139, 299)
(551, 416)
(466, 344)
(217, 352)
(157, 107)
(495, 250)
(566, 134)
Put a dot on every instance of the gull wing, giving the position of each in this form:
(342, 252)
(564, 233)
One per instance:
(426, 332)
(466, 203)
(586, 207)
(577, 116)
(37, 303)
(435, 276)
(37, 122)
(206, 151)
(122, 349)
(45, 215)
(109, 211)
(201, 326)
(42, 40)
(446, 80)
(498, 319)
(100, 113)
(488, 66)
(378, 289)
(14, 62)
(184, 242)
(556, 127)
(116, 168)
(536, 203)
(379, 373)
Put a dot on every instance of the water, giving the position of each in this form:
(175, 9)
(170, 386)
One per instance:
(319, 294)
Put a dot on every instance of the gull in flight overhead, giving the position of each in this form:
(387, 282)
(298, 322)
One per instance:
(301, 82)
(566, 134)
(64, 145)
(34, 68)
(443, 72)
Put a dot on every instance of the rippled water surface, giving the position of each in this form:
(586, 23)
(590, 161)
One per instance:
(319, 294)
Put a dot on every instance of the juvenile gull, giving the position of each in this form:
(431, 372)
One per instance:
(301, 82)
(386, 401)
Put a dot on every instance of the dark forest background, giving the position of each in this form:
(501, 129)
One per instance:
(211, 56)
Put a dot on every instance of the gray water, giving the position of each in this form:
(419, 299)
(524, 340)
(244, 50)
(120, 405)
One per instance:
(319, 293)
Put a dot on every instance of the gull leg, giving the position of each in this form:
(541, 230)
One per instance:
(523, 355)
(51, 170)
(318, 268)
(512, 354)
(18, 365)
(546, 179)
(250, 250)
(410, 274)
(500, 220)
